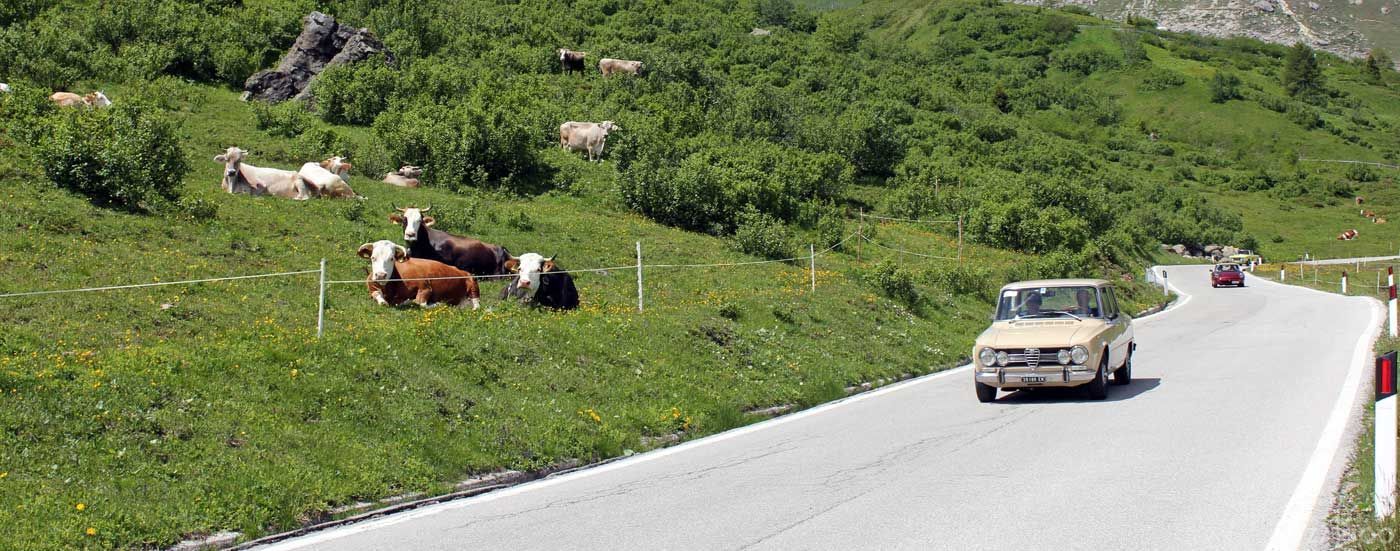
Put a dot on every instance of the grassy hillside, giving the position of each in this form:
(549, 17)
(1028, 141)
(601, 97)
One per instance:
(176, 410)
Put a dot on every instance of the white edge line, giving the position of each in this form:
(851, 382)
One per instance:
(351, 529)
(1293, 525)
(1184, 298)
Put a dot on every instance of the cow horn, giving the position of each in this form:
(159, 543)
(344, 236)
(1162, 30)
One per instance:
(391, 205)
(427, 208)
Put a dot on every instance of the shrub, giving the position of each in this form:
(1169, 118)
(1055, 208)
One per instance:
(1084, 60)
(1304, 116)
(22, 112)
(288, 119)
(467, 145)
(762, 235)
(125, 157)
(1224, 87)
(196, 209)
(354, 94)
(831, 229)
(894, 282)
(1161, 79)
(1361, 173)
(319, 143)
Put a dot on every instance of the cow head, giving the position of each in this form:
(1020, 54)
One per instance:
(231, 159)
(338, 166)
(528, 267)
(382, 255)
(641, 67)
(410, 171)
(608, 127)
(412, 220)
(97, 99)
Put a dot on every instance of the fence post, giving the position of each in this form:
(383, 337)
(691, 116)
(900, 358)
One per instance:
(321, 304)
(860, 232)
(812, 250)
(639, 276)
(1344, 282)
(960, 220)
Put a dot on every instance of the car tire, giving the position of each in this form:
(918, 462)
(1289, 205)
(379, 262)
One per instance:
(985, 393)
(1124, 375)
(1098, 387)
(1215, 285)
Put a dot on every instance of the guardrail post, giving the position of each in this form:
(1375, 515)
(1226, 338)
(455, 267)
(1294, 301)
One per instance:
(639, 276)
(1385, 435)
(1282, 274)
(1164, 283)
(321, 304)
(1344, 282)
(812, 250)
(1390, 281)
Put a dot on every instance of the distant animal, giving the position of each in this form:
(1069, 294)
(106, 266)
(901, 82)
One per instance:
(570, 60)
(479, 258)
(328, 178)
(241, 177)
(394, 278)
(1377, 220)
(541, 281)
(1359, 199)
(1367, 213)
(608, 66)
(586, 136)
(69, 99)
(4, 88)
(405, 176)
(1347, 235)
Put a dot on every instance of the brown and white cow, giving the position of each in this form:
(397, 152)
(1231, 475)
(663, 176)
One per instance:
(609, 66)
(477, 257)
(241, 177)
(1367, 214)
(69, 99)
(405, 176)
(570, 60)
(394, 278)
(1347, 235)
(1377, 220)
(328, 178)
(586, 136)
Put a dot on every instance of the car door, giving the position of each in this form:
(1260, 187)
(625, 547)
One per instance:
(1119, 334)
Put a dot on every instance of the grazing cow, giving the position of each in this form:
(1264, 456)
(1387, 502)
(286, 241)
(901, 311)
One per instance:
(1367, 214)
(541, 282)
(609, 66)
(395, 278)
(328, 178)
(477, 257)
(1347, 235)
(586, 136)
(405, 176)
(241, 177)
(570, 60)
(1378, 220)
(69, 99)
(4, 88)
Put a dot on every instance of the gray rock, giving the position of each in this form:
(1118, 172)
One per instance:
(322, 43)
(1313, 6)
(1179, 249)
(1264, 6)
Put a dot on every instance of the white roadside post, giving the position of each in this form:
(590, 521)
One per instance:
(1164, 283)
(1390, 281)
(1385, 435)
(1344, 282)
(321, 304)
(1283, 274)
(639, 276)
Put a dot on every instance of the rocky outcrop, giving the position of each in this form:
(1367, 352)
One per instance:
(323, 43)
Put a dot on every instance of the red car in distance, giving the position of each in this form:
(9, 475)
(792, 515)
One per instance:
(1227, 274)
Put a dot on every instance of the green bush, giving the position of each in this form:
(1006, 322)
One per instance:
(1361, 173)
(463, 146)
(762, 235)
(1084, 61)
(1224, 87)
(894, 283)
(196, 209)
(354, 94)
(1161, 79)
(288, 119)
(126, 157)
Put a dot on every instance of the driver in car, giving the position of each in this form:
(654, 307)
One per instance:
(1032, 304)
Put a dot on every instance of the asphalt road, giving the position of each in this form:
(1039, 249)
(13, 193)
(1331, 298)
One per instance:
(1233, 392)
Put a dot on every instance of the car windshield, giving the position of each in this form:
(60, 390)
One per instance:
(1049, 302)
(1227, 268)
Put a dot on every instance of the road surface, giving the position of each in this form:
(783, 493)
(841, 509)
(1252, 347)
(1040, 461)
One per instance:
(1206, 449)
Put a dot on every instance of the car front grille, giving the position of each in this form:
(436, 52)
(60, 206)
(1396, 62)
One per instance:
(1033, 357)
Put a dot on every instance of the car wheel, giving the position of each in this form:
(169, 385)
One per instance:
(1214, 284)
(1098, 387)
(1124, 375)
(985, 392)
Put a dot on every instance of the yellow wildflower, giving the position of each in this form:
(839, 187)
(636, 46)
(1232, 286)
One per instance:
(82, 506)
(91, 531)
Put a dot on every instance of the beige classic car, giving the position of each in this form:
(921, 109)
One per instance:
(1055, 333)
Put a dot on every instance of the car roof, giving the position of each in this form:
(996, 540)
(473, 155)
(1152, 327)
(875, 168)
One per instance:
(1054, 283)
(1227, 264)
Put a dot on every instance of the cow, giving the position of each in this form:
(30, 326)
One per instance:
(241, 177)
(586, 136)
(1377, 220)
(570, 60)
(405, 176)
(328, 178)
(608, 66)
(69, 99)
(1347, 235)
(479, 258)
(394, 278)
(1367, 214)
(541, 281)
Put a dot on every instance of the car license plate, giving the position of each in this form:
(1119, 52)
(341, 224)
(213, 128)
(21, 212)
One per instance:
(1033, 379)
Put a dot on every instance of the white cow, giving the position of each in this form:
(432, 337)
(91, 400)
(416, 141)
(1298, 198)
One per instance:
(586, 136)
(69, 99)
(241, 177)
(609, 66)
(328, 178)
(405, 176)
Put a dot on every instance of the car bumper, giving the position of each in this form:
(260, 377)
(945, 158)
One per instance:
(1053, 375)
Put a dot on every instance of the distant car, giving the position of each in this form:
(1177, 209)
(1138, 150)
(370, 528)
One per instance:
(1055, 333)
(1227, 274)
(1245, 257)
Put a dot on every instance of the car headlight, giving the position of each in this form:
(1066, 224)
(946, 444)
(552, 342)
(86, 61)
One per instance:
(1079, 354)
(1063, 356)
(987, 356)
(1003, 358)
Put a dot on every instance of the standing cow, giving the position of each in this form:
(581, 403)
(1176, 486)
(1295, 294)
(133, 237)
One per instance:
(586, 136)
(241, 177)
(394, 278)
(571, 61)
(609, 66)
(541, 281)
(479, 258)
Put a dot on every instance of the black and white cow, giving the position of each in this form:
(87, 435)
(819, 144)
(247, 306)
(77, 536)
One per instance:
(541, 282)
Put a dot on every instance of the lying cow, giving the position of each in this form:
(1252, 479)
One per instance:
(479, 258)
(405, 176)
(241, 177)
(609, 66)
(328, 178)
(570, 60)
(1367, 214)
(541, 282)
(1347, 235)
(69, 99)
(1378, 220)
(586, 136)
(394, 278)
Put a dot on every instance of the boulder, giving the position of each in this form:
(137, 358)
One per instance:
(1212, 249)
(1264, 6)
(1179, 249)
(1229, 250)
(322, 43)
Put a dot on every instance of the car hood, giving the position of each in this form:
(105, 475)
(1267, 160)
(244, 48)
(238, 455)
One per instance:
(1039, 333)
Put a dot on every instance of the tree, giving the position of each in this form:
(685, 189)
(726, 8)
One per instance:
(1376, 61)
(1224, 87)
(1301, 74)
